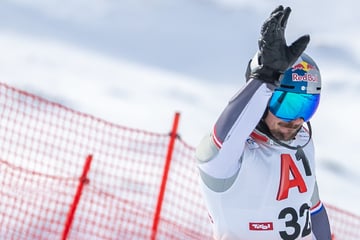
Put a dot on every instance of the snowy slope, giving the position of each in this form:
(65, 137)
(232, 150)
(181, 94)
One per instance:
(143, 60)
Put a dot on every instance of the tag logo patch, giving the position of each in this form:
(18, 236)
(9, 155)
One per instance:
(261, 226)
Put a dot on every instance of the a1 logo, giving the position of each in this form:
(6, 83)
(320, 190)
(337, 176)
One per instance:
(288, 167)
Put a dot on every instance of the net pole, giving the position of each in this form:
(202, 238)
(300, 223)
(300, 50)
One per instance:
(83, 180)
(170, 150)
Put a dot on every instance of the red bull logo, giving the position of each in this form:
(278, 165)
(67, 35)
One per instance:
(303, 66)
(307, 77)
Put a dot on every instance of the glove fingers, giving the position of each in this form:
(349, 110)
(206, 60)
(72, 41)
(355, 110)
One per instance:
(284, 19)
(272, 23)
(298, 47)
(274, 19)
(278, 9)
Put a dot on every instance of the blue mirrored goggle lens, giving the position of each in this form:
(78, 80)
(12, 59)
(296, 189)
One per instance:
(289, 106)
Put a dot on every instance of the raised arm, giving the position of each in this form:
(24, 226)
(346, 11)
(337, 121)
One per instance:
(220, 151)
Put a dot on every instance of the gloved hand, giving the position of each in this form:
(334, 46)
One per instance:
(274, 56)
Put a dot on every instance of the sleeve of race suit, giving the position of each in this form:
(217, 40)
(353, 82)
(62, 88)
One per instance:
(219, 152)
(319, 218)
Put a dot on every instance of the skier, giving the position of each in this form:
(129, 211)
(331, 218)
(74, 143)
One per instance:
(257, 168)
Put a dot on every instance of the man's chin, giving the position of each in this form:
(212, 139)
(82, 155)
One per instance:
(284, 137)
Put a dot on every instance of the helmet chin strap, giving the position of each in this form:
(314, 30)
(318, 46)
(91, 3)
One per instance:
(300, 154)
(262, 127)
(292, 147)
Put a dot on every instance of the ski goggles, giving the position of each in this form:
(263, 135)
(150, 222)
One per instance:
(289, 106)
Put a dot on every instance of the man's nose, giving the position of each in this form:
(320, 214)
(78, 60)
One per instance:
(297, 121)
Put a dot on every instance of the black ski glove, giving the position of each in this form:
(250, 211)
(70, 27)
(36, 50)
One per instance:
(274, 56)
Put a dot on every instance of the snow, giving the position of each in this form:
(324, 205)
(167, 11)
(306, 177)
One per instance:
(136, 62)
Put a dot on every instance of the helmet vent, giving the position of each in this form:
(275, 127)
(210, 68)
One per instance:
(287, 86)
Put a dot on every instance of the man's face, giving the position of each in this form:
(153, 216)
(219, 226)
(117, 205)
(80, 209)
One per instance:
(282, 130)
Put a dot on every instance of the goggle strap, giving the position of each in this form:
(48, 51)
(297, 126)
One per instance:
(291, 147)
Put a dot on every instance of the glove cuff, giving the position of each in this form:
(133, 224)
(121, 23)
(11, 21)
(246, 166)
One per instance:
(262, 73)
